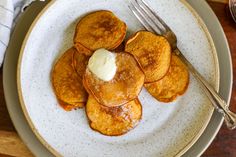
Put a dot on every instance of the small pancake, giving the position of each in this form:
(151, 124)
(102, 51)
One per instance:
(67, 84)
(153, 53)
(81, 49)
(113, 121)
(174, 83)
(100, 29)
(124, 87)
(80, 62)
(69, 107)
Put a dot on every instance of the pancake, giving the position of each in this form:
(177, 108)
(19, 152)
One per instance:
(153, 53)
(174, 83)
(80, 62)
(124, 87)
(82, 49)
(67, 85)
(113, 121)
(69, 107)
(100, 29)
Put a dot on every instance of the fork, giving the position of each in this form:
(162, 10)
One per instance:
(152, 22)
(232, 8)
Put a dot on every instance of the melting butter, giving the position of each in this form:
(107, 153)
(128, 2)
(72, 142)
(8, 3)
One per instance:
(103, 64)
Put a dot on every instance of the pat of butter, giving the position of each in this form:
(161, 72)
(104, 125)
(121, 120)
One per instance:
(103, 64)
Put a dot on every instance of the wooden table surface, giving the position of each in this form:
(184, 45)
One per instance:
(224, 145)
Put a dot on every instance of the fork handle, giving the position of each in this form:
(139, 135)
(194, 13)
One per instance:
(219, 104)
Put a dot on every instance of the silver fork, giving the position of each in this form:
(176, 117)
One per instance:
(152, 22)
(232, 8)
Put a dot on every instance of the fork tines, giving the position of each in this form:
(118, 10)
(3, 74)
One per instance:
(232, 8)
(150, 20)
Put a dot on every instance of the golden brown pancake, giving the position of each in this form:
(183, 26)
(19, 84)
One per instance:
(81, 49)
(113, 121)
(100, 29)
(69, 107)
(174, 83)
(153, 53)
(67, 84)
(80, 62)
(124, 87)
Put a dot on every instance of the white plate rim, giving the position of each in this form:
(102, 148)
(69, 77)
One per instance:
(23, 106)
(35, 131)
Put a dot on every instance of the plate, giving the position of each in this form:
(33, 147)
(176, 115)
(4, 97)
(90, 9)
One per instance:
(165, 129)
(23, 129)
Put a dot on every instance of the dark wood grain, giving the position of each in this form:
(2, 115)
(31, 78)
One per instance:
(5, 121)
(224, 144)
(3, 155)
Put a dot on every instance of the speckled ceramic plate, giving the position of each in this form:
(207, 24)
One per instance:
(165, 130)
